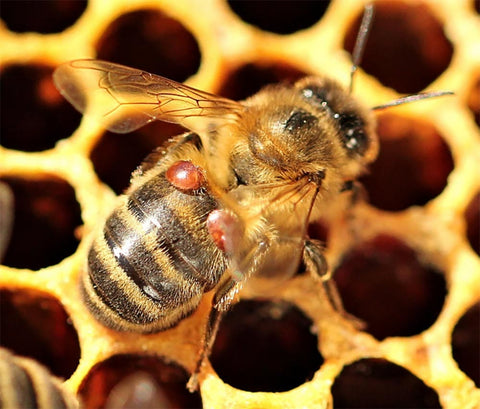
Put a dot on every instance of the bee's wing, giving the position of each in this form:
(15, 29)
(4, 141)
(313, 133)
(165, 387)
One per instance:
(282, 235)
(125, 99)
(280, 263)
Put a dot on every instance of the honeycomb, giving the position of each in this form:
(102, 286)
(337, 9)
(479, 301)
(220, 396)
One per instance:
(406, 261)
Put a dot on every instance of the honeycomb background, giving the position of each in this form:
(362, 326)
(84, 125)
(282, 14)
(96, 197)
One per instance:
(406, 263)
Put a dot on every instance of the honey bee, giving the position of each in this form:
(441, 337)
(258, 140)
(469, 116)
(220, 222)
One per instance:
(25, 383)
(225, 202)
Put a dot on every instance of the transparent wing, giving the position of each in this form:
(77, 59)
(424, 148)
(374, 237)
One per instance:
(125, 99)
(279, 218)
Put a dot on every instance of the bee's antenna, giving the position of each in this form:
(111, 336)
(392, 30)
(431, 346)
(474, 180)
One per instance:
(412, 98)
(362, 36)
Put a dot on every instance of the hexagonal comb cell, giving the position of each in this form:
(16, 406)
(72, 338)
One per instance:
(393, 53)
(149, 40)
(45, 217)
(383, 283)
(282, 17)
(265, 346)
(377, 383)
(413, 164)
(34, 115)
(46, 16)
(466, 343)
(34, 324)
(125, 381)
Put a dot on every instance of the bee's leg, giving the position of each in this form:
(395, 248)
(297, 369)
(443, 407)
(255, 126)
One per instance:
(210, 333)
(357, 191)
(6, 217)
(223, 299)
(221, 303)
(317, 265)
(225, 294)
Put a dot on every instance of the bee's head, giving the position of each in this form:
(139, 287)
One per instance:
(313, 126)
(348, 121)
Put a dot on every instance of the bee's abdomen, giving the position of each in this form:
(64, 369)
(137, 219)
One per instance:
(27, 384)
(154, 259)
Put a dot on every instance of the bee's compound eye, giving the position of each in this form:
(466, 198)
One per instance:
(354, 137)
(299, 119)
(225, 229)
(185, 176)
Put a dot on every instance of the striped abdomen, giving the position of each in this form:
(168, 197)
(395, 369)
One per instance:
(154, 259)
(24, 383)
